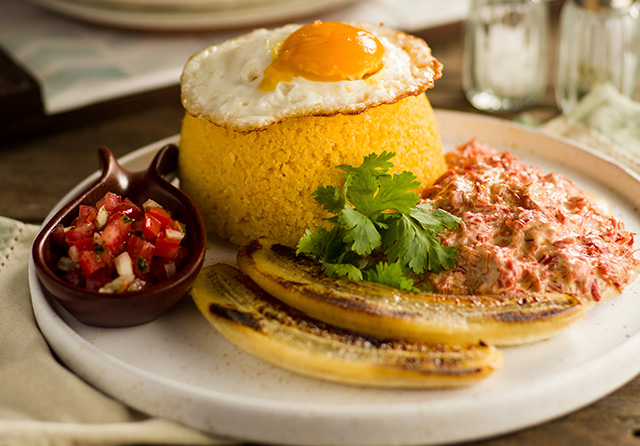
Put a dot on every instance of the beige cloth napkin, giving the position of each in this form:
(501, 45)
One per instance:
(604, 120)
(41, 401)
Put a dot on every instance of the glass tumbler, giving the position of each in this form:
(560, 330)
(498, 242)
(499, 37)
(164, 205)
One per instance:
(505, 60)
(599, 45)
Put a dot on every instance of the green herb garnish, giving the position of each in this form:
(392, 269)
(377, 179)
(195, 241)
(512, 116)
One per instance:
(380, 231)
(143, 265)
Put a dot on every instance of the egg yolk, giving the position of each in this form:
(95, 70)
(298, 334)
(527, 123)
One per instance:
(325, 52)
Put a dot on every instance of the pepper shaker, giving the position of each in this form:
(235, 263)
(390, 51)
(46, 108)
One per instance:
(599, 44)
(504, 66)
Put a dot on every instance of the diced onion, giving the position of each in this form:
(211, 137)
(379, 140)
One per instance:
(124, 265)
(117, 285)
(136, 285)
(170, 269)
(172, 234)
(65, 264)
(150, 204)
(74, 254)
(103, 216)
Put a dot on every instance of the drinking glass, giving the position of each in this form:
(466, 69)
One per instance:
(505, 56)
(599, 45)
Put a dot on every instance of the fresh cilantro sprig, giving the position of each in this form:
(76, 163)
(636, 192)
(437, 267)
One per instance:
(380, 231)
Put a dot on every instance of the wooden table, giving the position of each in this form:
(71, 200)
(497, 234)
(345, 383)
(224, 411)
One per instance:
(38, 168)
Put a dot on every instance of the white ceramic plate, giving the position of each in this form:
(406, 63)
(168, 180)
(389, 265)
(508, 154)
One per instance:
(178, 367)
(190, 15)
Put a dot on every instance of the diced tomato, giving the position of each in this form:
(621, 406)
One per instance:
(166, 247)
(159, 268)
(110, 201)
(136, 226)
(107, 257)
(161, 214)
(129, 209)
(182, 256)
(97, 280)
(141, 253)
(87, 214)
(86, 244)
(139, 247)
(58, 235)
(116, 233)
(119, 216)
(74, 277)
(160, 265)
(83, 230)
(99, 234)
(90, 262)
(175, 225)
(151, 226)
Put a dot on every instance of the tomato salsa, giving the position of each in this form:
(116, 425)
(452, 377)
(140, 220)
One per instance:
(118, 246)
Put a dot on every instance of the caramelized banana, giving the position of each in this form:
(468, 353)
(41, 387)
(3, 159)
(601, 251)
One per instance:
(380, 310)
(256, 322)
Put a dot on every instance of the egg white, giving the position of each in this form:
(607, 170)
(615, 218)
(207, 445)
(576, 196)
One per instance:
(221, 83)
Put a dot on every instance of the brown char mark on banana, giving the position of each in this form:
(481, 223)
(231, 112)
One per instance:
(267, 307)
(309, 268)
(504, 319)
(515, 317)
(235, 316)
(241, 302)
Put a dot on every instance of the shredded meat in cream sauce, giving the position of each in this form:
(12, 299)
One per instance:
(523, 230)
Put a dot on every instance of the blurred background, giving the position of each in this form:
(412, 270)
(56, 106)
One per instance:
(64, 55)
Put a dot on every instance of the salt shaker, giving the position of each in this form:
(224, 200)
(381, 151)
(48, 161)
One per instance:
(599, 45)
(505, 56)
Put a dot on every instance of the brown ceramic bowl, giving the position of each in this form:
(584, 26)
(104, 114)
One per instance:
(129, 308)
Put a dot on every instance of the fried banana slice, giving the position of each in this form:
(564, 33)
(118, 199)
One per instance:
(265, 327)
(375, 309)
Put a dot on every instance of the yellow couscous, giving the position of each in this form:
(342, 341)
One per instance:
(251, 184)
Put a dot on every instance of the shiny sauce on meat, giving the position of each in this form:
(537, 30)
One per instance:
(525, 230)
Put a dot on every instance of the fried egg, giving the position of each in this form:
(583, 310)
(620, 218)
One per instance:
(318, 69)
